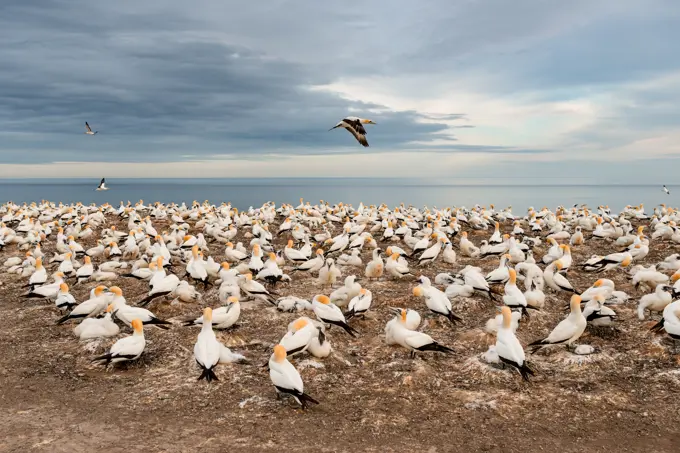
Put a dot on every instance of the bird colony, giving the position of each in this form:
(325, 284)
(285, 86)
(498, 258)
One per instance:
(479, 289)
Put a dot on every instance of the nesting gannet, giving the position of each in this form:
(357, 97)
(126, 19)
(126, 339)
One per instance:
(555, 280)
(47, 291)
(355, 126)
(330, 314)
(412, 317)
(65, 300)
(396, 332)
(435, 299)
(493, 324)
(39, 276)
(286, 378)
(597, 314)
(222, 317)
(313, 265)
(568, 330)
(125, 349)
(359, 304)
(329, 273)
(656, 301)
(508, 347)
(88, 130)
(514, 297)
(299, 336)
(207, 348)
(292, 304)
(345, 293)
(397, 266)
(92, 307)
(102, 185)
(97, 327)
(126, 313)
(375, 267)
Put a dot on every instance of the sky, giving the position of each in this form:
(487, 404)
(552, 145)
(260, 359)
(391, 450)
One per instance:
(583, 90)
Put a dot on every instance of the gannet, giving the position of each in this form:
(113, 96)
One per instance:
(65, 300)
(568, 330)
(396, 332)
(355, 126)
(299, 336)
(597, 314)
(97, 327)
(97, 304)
(330, 314)
(222, 317)
(286, 378)
(88, 130)
(207, 349)
(435, 299)
(508, 347)
(128, 348)
(359, 304)
(102, 185)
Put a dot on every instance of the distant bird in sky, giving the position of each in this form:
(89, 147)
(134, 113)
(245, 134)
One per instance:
(665, 189)
(355, 126)
(102, 185)
(88, 129)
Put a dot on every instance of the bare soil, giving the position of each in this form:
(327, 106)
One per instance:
(374, 398)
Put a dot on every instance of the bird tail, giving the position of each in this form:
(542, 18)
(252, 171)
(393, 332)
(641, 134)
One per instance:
(454, 318)
(658, 326)
(106, 358)
(144, 302)
(526, 371)
(349, 315)
(525, 313)
(345, 326)
(160, 323)
(208, 374)
(304, 399)
(536, 345)
(188, 323)
(63, 319)
(437, 347)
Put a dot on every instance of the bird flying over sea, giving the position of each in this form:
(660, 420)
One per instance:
(355, 126)
(665, 189)
(102, 185)
(88, 129)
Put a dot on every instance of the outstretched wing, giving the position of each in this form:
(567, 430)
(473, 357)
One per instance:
(361, 137)
(101, 183)
(356, 124)
(87, 126)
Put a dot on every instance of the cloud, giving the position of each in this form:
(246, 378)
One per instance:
(212, 81)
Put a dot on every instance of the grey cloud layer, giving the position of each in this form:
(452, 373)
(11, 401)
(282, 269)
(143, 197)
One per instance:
(166, 79)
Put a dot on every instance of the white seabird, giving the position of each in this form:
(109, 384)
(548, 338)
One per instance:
(102, 185)
(88, 129)
(355, 126)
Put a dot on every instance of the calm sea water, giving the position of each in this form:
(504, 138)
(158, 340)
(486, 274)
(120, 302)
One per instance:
(243, 193)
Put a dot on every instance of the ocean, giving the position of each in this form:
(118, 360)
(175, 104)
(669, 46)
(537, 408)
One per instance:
(246, 192)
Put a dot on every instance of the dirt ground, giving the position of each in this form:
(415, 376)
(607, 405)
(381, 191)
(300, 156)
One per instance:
(373, 397)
